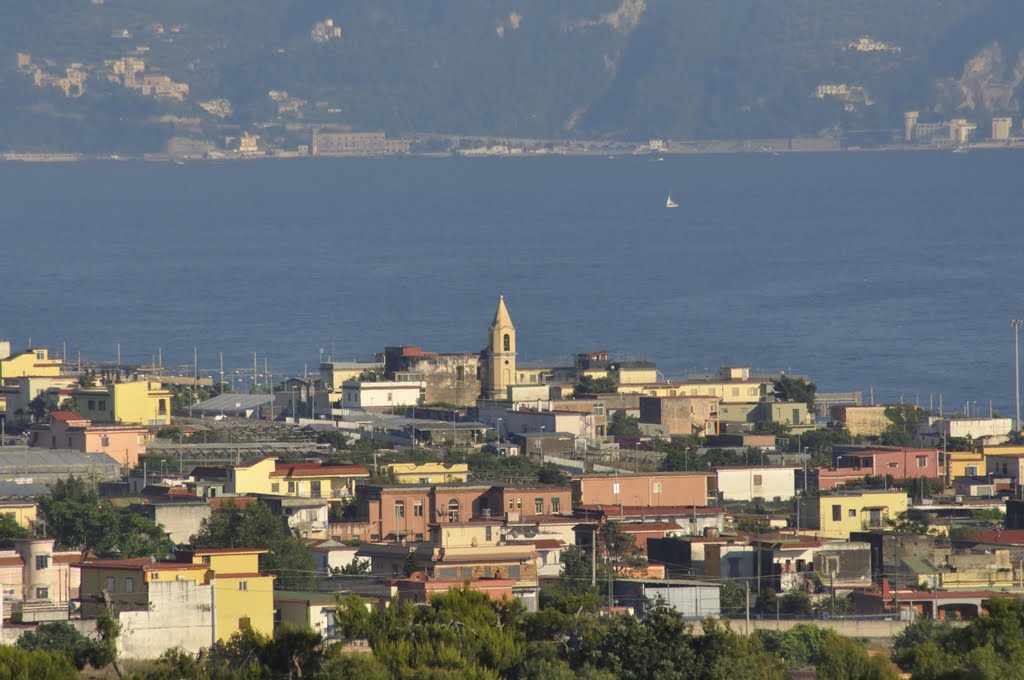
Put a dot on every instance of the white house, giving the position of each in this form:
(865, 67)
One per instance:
(360, 394)
(749, 483)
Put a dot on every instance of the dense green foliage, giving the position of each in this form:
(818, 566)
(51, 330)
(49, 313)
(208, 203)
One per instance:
(10, 530)
(254, 526)
(77, 518)
(64, 639)
(788, 388)
(21, 664)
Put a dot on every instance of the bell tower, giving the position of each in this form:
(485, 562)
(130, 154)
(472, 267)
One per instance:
(501, 354)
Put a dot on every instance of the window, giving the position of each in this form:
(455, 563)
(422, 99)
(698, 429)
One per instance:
(92, 404)
(42, 561)
(971, 470)
(922, 461)
(104, 441)
(453, 510)
(446, 572)
(506, 343)
(42, 593)
(511, 505)
(758, 480)
(851, 513)
(487, 572)
(275, 487)
(314, 488)
(39, 355)
(399, 509)
(425, 480)
(488, 536)
(101, 405)
(154, 576)
(894, 465)
(291, 487)
(538, 506)
(110, 584)
(556, 506)
(162, 407)
(243, 585)
(417, 509)
(513, 571)
(837, 513)
(599, 409)
(519, 504)
(129, 584)
(752, 391)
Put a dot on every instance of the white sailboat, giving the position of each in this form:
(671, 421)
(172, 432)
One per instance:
(669, 203)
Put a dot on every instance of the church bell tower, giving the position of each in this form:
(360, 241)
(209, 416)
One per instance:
(501, 354)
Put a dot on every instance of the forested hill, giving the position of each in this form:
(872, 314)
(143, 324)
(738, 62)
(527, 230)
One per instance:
(625, 69)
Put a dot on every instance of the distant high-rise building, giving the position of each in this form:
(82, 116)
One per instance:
(909, 123)
(1001, 128)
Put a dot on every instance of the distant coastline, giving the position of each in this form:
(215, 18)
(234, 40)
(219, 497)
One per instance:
(513, 148)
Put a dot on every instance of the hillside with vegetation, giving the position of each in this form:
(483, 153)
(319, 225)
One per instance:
(620, 69)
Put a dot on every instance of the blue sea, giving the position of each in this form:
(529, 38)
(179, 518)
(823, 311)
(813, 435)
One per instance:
(891, 272)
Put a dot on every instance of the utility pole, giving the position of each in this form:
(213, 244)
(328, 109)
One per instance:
(593, 558)
(747, 585)
(1016, 324)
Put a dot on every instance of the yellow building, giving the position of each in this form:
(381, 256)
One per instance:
(964, 464)
(31, 362)
(836, 515)
(429, 473)
(22, 512)
(239, 594)
(298, 480)
(142, 402)
(242, 596)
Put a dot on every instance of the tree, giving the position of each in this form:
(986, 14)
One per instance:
(788, 388)
(589, 385)
(771, 427)
(841, 658)
(911, 521)
(63, 638)
(254, 526)
(70, 404)
(733, 598)
(412, 564)
(77, 518)
(357, 567)
(337, 439)
(618, 549)
(905, 421)
(795, 603)
(21, 664)
(10, 530)
(623, 425)
(549, 473)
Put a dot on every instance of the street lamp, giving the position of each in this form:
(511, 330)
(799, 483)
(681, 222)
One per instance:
(1016, 324)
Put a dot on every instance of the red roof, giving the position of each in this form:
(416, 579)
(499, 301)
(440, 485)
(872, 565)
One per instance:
(998, 536)
(15, 561)
(65, 416)
(416, 352)
(316, 470)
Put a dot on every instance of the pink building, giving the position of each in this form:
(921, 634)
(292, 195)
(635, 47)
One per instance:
(420, 588)
(69, 430)
(654, 490)
(856, 462)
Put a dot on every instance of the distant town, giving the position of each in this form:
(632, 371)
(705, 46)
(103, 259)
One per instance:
(314, 129)
(153, 517)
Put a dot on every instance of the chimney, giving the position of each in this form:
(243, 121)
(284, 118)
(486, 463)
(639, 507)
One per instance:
(885, 588)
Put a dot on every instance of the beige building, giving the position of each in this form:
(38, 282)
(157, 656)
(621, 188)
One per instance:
(836, 515)
(861, 421)
(732, 385)
(1001, 128)
(38, 581)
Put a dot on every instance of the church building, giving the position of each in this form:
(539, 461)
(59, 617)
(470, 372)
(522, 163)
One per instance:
(498, 360)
